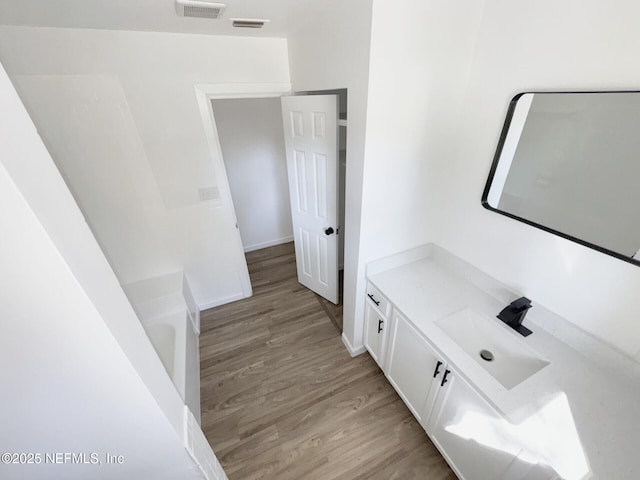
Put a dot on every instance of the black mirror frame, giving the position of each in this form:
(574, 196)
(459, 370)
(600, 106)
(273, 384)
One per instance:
(494, 166)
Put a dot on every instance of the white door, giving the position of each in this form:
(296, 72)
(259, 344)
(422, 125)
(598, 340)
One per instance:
(311, 142)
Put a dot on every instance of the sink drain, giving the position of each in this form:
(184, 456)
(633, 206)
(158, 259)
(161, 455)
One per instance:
(486, 355)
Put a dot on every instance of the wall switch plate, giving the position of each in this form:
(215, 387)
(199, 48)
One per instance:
(208, 193)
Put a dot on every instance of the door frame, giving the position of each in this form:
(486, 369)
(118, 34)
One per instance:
(204, 94)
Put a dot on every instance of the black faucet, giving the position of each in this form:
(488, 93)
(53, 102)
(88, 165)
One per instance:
(514, 313)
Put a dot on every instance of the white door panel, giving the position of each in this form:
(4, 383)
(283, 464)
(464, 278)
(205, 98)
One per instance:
(311, 142)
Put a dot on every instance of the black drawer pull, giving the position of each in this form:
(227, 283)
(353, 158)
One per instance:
(380, 323)
(373, 299)
(437, 370)
(444, 378)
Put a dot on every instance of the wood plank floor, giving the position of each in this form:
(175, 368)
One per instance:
(282, 398)
(334, 312)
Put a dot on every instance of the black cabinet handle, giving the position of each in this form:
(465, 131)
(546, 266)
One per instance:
(437, 370)
(444, 378)
(373, 299)
(380, 323)
(328, 231)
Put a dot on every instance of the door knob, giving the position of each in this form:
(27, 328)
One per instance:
(328, 231)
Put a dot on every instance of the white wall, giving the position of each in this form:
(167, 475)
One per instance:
(143, 153)
(441, 79)
(252, 143)
(420, 55)
(329, 53)
(524, 46)
(69, 387)
(79, 375)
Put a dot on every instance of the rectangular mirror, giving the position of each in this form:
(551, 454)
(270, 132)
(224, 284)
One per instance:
(569, 163)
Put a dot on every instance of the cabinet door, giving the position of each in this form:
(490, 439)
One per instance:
(411, 366)
(376, 326)
(524, 470)
(468, 432)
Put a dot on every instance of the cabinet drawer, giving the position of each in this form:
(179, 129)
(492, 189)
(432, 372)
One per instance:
(378, 300)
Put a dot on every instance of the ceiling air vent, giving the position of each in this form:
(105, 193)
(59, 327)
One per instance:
(199, 8)
(249, 22)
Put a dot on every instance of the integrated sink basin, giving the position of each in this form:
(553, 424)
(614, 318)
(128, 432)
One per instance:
(500, 352)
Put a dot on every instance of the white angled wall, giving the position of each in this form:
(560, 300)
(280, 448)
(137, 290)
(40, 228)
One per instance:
(118, 112)
(252, 143)
(79, 375)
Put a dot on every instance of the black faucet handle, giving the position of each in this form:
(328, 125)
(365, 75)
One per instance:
(522, 303)
(514, 313)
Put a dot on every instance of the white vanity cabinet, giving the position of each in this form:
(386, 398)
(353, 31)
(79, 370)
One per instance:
(556, 405)
(461, 423)
(377, 313)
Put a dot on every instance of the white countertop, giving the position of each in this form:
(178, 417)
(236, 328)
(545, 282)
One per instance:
(599, 387)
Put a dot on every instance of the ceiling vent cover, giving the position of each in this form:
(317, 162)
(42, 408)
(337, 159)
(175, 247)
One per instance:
(249, 22)
(199, 8)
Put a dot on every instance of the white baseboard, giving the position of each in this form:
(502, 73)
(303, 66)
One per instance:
(270, 243)
(353, 351)
(222, 301)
